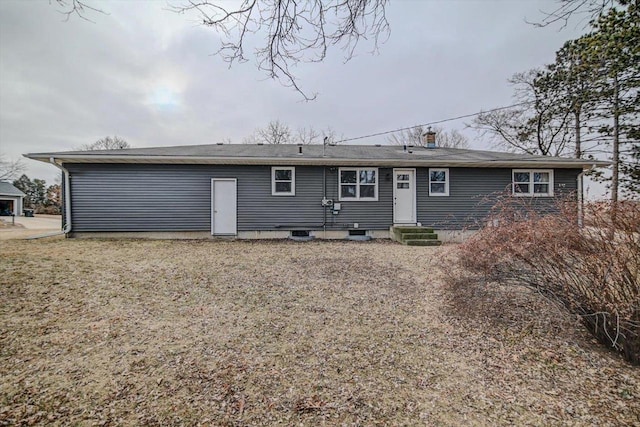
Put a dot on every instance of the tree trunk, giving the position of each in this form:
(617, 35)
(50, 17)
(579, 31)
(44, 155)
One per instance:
(576, 114)
(616, 141)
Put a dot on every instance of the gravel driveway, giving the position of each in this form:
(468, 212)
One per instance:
(281, 333)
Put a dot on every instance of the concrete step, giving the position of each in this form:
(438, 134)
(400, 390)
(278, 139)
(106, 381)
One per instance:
(419, 236)
(422, 242)
(397, 231)
(412, 229)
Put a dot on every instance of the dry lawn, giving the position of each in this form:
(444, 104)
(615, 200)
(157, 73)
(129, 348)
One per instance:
(98, 332)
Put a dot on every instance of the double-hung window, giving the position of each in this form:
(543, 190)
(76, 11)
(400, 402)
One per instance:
(283, 181)
(358, 183)
(438, 182)
(537, 183)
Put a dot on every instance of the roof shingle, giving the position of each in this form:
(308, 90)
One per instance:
(313, 154)
(7, 189)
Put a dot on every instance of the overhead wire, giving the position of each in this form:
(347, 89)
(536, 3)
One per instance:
(371, 135)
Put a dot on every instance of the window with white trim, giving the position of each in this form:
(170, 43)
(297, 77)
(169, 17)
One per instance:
(533, 182)
(358, 183)
(283, 181)
(438, 182)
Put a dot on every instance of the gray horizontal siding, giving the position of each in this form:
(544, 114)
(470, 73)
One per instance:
(473, 192)
(130, 197)
(127, 197)
(370, 215)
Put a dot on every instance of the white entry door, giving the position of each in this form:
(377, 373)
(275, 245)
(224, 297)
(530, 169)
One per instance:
(404, 196)
(224, 206)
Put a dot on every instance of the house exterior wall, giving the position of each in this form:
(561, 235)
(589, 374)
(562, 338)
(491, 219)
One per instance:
(138, 197)
(368, 214)
(159, 198)
(472, 193)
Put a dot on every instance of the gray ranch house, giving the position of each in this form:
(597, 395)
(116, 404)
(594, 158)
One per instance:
(278, 191)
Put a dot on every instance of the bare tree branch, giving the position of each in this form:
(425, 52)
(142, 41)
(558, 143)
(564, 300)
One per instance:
(79, 8)
(450, 139)
(414, 136)
(107, 143)
(538, 126)
(332, 136)
(10, 169)
(308, 136)
(294, 32)
(275, 132)
(589, 10)
(282, 33)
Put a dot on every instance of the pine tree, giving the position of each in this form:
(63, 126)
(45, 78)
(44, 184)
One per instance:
(613, 51)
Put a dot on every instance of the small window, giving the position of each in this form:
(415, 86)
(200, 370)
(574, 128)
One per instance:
(358, 184)
(283, 181)
(536, 183)
(438, 182)
(403, 181)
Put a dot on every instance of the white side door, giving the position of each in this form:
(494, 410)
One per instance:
(224, 206)
(404, 196)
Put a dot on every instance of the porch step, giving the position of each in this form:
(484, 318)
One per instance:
(419, 236)
(422, 242)
(415, 236)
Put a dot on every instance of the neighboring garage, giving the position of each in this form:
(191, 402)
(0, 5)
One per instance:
(11, 200)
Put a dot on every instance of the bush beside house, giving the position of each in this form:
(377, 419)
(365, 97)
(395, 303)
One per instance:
(592, 269)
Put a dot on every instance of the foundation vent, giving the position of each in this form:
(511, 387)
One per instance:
(301, 235)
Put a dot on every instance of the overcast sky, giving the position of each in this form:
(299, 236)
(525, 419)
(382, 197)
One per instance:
(148, 75)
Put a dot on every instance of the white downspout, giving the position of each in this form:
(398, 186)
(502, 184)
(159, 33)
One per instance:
(580, 200)
(67, 195)
(581, 195)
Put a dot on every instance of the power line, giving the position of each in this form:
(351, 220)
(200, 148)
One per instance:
(432, 123)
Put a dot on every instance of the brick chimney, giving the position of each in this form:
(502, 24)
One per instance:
(429, 138)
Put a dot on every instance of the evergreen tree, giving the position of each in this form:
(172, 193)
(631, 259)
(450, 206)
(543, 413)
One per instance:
(613, 50)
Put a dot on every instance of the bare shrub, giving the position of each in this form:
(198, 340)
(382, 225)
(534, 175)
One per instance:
(593, 270)
(48, 210)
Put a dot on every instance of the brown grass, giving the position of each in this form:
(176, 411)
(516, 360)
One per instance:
(263, 333)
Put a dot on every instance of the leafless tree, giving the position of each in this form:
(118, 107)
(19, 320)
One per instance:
(275, 132)
(10, 169)
(308, 136)
(414, 136)
(411, 136)
(451, 139)
(292, 32)
(332, 136)
(536, 126)
(107, 143)
(252, 139)
(587, 10)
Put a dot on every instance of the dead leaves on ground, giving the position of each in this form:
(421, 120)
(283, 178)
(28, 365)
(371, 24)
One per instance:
(262, 333)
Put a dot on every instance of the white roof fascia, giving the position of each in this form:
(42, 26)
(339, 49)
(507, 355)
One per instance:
(315, 161)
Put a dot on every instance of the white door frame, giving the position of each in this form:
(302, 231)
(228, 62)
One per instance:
(414, 216)
(235, 182)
